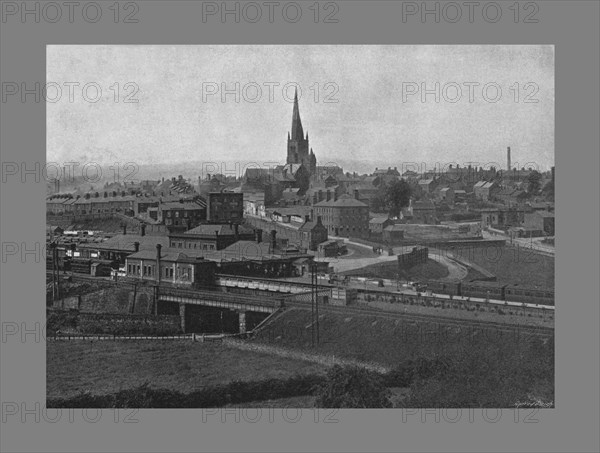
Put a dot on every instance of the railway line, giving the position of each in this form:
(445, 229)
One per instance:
(458, 322)
(379, 312)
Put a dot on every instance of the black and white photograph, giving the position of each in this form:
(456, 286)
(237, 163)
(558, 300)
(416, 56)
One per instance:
(319, 226)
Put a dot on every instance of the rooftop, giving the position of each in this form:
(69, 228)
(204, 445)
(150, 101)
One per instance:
(344, 201)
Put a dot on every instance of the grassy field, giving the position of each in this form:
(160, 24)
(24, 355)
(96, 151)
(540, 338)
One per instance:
(369, 338)
(105, 367)
(513, 264)
(429, 270)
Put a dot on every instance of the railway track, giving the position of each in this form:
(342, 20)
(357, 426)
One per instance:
(415, 317)
(370, 311)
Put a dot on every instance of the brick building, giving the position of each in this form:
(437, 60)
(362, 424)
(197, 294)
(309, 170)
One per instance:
(211, 237)
(181, 216)
(225, 207)
(344, 216)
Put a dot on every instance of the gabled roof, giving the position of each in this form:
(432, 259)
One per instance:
(189, 206)
(223, 229)
(345, 201)
(379, 220)
(125, 243)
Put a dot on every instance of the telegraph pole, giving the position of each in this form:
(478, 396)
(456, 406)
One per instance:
(317, 301)
(312, 306)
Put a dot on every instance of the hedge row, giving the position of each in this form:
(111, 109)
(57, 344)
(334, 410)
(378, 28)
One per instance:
(243, 391)
(215, 396)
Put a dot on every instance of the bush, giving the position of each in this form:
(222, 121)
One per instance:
(352, 387)
(144, 396)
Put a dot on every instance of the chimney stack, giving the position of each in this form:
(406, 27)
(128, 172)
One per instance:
(258, 235)
(328, 195)
(136, 246)
(158, 247)
(273, 240)
(307, 218)
(508, 167)
(143, 229)
(356, 194)
(236, 232)
(124, 228)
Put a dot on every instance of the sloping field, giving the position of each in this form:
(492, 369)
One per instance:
(368, 338)
(104, 367)
(511, 264)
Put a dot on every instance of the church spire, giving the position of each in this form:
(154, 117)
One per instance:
(297, 132)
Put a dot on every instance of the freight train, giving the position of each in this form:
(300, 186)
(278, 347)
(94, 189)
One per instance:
(493, 290)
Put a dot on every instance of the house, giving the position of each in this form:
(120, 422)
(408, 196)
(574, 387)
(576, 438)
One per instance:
(52, 230)
(330, 248)
(254, 203)
(171, 266)
(210, 237)
(181, 216)
(502, 217)
(539, 223)
(387, 176)
(485, 190)
(426, 185)
(312, 234)
(344, 216)
(377, 224)
(423, 212)
(460, 195)
(393, 233)
(446, 195)
(119, 247)
(225, 207)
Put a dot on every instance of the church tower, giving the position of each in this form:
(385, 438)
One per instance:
(297, 145)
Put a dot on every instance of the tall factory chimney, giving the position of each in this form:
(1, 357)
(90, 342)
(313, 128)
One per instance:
(158, 247)
(508, 167)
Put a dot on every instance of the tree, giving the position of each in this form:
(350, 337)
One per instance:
(397, 196)
(534, 182)
(548, 190)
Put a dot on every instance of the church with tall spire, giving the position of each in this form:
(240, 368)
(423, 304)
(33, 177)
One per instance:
(297, 144)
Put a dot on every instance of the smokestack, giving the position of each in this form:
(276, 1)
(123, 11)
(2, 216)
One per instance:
(136, 246)
(143, 229)
(158, 247)
(508, 167)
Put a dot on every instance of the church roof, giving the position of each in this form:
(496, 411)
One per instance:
(297, 131)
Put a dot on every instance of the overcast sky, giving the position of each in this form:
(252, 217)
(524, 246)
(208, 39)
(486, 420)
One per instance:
(370, 124)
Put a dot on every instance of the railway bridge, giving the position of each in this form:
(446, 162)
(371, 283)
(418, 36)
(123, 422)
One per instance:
(242, 305)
